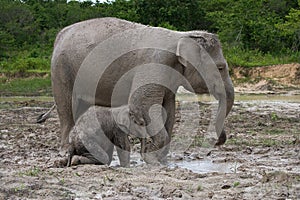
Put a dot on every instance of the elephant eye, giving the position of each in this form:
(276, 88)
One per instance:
(221, 67)
(142, 123)
(131, 116)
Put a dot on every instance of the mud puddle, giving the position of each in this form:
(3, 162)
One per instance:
(206, 166)
(200, 166)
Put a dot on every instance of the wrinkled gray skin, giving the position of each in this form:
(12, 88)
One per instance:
(98, 130)
(75, 42)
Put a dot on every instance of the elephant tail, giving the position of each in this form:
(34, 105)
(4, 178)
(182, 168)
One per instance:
(42, 118)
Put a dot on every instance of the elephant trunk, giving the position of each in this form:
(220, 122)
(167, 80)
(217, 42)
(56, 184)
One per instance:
(229, 103)
(221, 114)
(229, 96)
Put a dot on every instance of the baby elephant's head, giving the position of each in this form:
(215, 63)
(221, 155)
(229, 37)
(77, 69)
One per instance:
(130, 123)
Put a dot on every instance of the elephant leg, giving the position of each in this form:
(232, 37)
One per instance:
(123, 150)
(110, 151)
(222, 138)
(81, 160)
(64, 108)
(169, 105)
(159, 147)
(62, 87)
(76, 160)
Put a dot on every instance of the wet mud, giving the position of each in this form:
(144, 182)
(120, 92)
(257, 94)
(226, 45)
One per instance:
(260, 160)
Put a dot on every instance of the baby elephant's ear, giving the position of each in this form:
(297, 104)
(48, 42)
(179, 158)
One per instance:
(123, 119)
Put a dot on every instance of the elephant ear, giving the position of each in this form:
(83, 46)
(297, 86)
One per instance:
(192, 55)
(186, 48)
(123, 120)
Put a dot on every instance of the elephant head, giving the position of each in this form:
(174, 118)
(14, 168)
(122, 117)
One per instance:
(207, 71)
(128, 123)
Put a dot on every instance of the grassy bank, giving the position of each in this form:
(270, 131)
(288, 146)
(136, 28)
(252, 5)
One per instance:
(31, 86)
(238, 57)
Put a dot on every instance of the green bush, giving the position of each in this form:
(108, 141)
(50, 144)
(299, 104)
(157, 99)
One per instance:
(27, 64)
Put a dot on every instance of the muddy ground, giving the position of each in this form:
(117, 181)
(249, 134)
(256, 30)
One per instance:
(261, 159)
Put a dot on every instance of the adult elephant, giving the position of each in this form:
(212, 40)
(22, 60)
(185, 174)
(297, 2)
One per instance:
(112, 62)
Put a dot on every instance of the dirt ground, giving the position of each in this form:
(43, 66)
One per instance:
(268, 79)
(261, 159)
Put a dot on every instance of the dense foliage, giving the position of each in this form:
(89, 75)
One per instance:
(253, 32)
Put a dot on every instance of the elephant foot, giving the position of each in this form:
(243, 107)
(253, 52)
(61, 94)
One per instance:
(76, 160)
(64, 149)
(60, 163)
(222, 138)
(150, 158)
(153, 155)
(81, 160)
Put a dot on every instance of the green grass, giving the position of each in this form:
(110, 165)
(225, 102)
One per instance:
(35, 171)
(235, 184)
(274, 131)
(33, 86)
(266, 142)
(199, 188)
(254, 58)
(262, 142)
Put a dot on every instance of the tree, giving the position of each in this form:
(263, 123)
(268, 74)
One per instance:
(182, 14)
(291, 27)
(250, 24)
(17, 21)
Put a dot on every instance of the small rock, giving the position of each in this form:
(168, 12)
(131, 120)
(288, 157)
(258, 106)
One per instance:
(177, 193)
(194, 156)
(98, 196)
(31, 135)
(248, 150)
(226, 187)
(210, 195)
(262, 151)
(109, 193)
(178, 157)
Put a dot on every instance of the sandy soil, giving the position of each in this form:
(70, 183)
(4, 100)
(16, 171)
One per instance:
(260, 160)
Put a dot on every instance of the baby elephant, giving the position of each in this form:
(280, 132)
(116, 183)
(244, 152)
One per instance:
(98, 130)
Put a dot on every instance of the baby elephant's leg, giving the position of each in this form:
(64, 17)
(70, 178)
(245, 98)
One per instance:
(84, 159)
(123, 150)
(110, 149)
